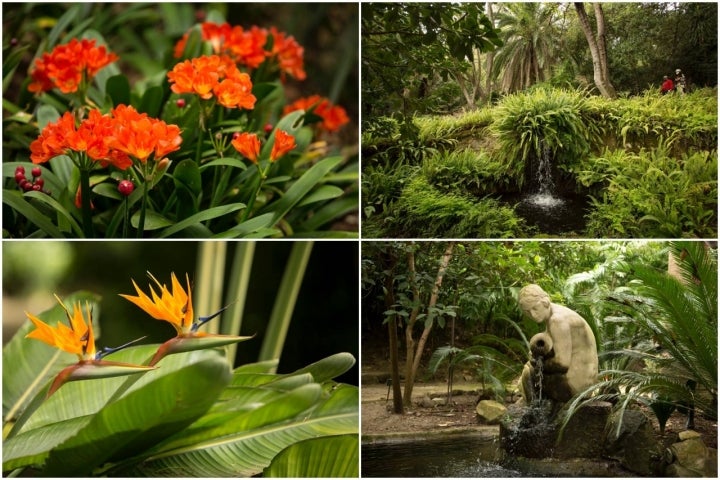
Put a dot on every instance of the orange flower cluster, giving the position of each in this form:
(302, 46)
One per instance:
(333, 116)
(65, 67)
(108, 139)
(214, 75)
(248, 145)
(247, 47)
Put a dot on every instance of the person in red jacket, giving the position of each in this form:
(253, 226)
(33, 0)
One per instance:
(667, 85)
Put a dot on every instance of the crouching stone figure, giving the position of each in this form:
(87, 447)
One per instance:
(566, 349)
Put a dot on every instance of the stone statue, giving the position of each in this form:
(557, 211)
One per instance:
(564, 357)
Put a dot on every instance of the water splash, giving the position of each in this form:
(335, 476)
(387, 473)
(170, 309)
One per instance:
(542, 185)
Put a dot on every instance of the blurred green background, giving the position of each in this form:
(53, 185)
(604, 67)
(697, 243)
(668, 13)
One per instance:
(324, 321)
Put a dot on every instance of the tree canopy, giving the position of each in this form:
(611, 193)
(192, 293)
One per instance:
(417, 57)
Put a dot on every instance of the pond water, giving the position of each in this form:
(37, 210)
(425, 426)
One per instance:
(448, 456)
(551, 213)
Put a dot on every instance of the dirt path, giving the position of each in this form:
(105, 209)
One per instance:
(426, 416)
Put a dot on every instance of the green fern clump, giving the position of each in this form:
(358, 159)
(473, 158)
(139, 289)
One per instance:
(426, 212)
(433, 127)
(529, 122)
(469, 171)
(651, 194)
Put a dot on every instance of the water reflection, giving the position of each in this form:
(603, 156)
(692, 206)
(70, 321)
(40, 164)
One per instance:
(450, 456)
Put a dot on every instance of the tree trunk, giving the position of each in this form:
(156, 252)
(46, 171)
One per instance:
(490, 56)
(392, 334)
(598, 50)
(415, 353)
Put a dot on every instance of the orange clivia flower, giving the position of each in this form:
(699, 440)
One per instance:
(247, 47)
(248, 145)
(68, 65)
(235, 91)
(284, 142)
(93, 136)
(77, 338)
(213, 75)
(138, 135)
(289, 54)
(333, 116)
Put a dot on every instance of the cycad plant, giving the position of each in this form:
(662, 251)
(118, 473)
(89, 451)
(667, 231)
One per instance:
(677, 316)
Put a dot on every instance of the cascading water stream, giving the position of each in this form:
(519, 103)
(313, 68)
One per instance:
(539, 377)
(542, 186)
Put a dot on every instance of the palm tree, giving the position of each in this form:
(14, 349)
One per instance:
(530, 37)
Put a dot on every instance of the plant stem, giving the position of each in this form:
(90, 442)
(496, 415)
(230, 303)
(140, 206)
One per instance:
(143, 207)
(126, 220)
(211, 275)
(251, 200)
(237, 293)
(85, 200)
(285, 301)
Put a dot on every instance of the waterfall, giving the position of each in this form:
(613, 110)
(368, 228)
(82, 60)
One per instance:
(543, 191)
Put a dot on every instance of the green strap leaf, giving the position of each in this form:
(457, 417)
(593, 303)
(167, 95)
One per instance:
(15, 200)
(301, 188)
(326, 457)
(208, 214)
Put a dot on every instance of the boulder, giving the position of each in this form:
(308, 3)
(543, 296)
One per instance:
(634, 446)
(582, 432)
(490, 411)
(690, 457)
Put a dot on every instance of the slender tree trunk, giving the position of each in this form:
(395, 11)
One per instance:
(490, 56)
(598, 50)
(392, 334)
(415, 354)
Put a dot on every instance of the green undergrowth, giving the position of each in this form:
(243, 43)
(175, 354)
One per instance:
(424, 211)
(648, 162)
(650, 194)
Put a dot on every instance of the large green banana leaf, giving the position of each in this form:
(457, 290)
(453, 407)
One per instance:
(28, 365)
(325, 457)
(240, 438)
(87, 423)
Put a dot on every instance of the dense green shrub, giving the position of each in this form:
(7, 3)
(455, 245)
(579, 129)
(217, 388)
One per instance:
(650, 194)
(469, 171)
(424, 211)
(530, 122)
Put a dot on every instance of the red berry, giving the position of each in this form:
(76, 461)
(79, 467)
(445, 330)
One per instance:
(20, 177)
(39, 181)
(26, 186)
(236, 135)
(20, 169)
(268, 127)
(36, 172)
(13, 42)
(36, 187)
(180, 102)
(126, 187)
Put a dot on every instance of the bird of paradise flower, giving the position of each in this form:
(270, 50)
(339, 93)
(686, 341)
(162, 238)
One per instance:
(176, 308)
(78, 339)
